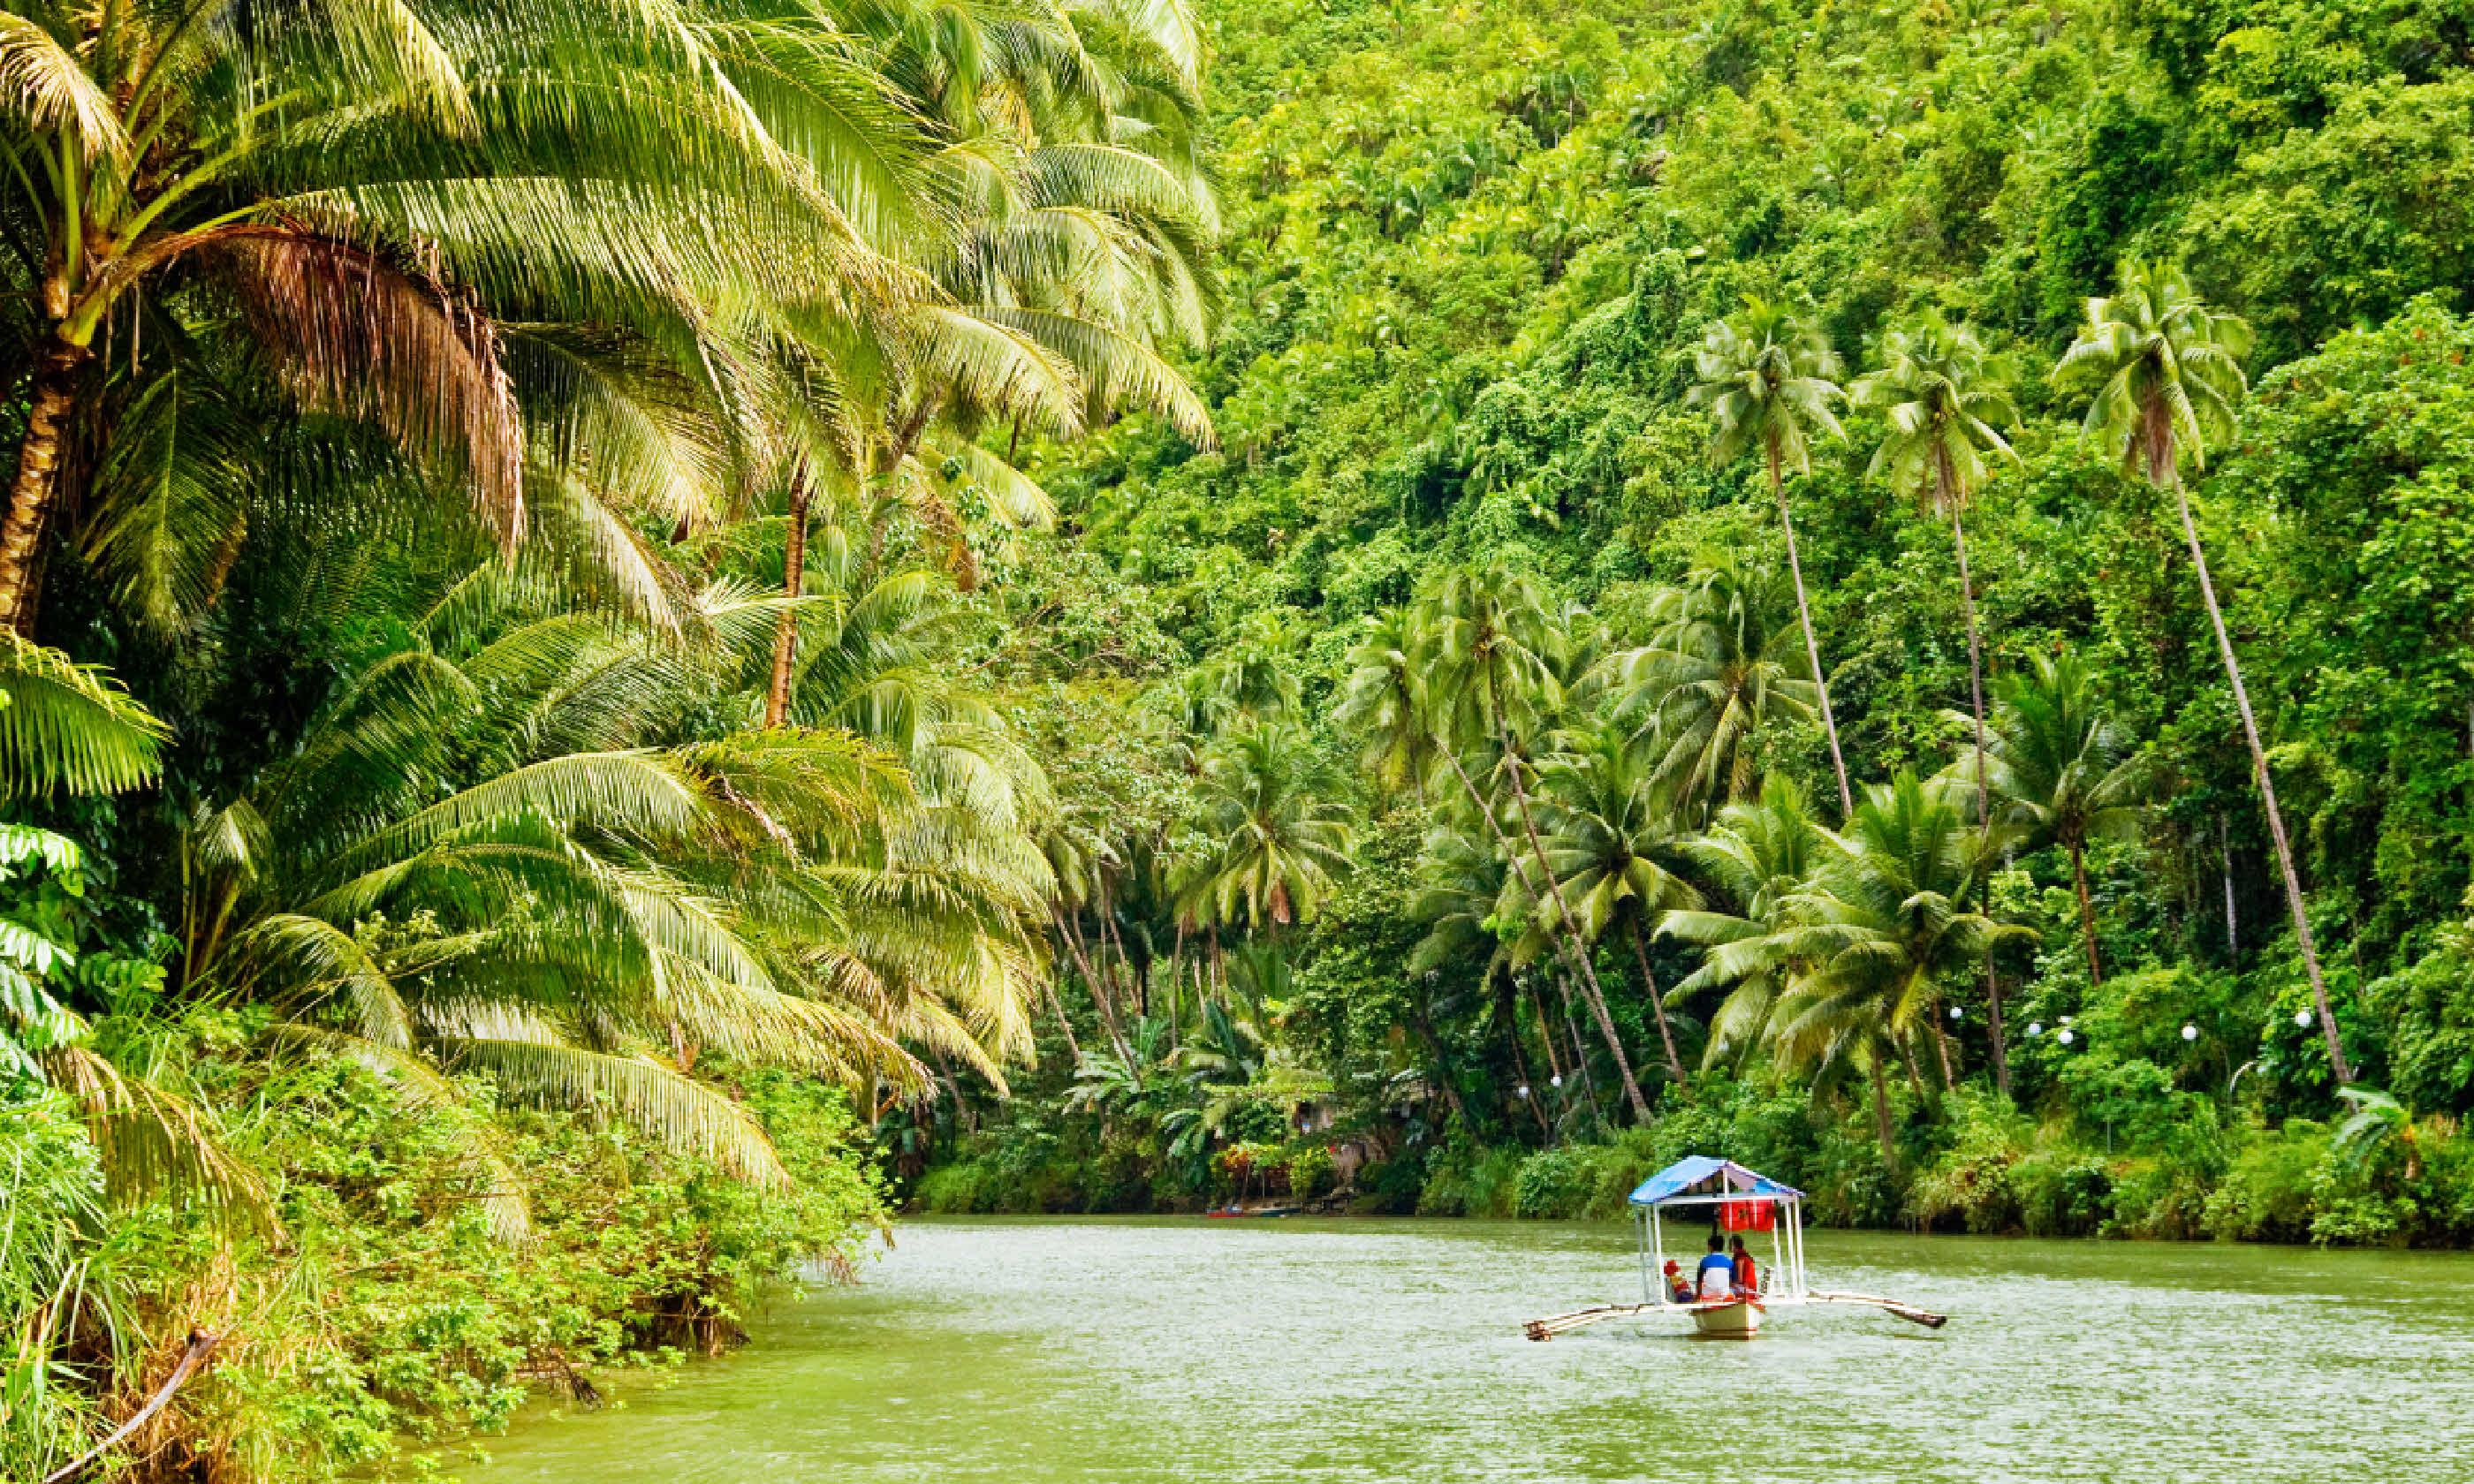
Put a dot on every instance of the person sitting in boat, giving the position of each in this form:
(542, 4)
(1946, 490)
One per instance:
(1717, 1271)
(1748, 1281)
(1678, 1290)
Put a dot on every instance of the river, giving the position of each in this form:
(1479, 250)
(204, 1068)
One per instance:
(1159, 1351)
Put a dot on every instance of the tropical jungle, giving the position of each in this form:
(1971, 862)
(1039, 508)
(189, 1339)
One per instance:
(634, 637)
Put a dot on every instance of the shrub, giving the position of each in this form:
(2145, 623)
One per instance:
(1553, 1183)
(2267, 1191)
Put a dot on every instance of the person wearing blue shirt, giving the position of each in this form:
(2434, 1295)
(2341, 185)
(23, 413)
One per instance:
(1717, 1275)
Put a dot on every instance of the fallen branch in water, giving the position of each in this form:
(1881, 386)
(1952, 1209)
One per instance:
(201, 1344)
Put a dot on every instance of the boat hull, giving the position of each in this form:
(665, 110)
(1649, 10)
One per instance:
(1740, 1320)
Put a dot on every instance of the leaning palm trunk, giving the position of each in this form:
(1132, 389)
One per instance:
(31, 493)
(2259, 768)
(1073, 937)
(1056, 1002)
(1812, 646)
(1983, 801)
(1564, 934)
(1649, 986)
(786, 632)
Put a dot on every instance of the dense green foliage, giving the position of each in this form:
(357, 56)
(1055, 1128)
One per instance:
(1479, 260)
(499, 799)
(630, 632)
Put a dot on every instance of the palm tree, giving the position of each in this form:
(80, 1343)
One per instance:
(1754, 859)
(1384, 702)
(426, 183)
(494, 851)
(1270, 801)
(1875, 936)
(1768, 378)
(1496, 644)
(1609, 826)
(2167, 375)
(2062, 769)
(1942, 395)
(1716, 669)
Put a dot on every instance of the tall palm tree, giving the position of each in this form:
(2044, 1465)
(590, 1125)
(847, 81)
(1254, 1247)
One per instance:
(2060, 770)
(1497, 645)
(1942, 395)
(1716, 669)
(1610, 832)
(1768, 378)
(2168, 375)
(1271, 804)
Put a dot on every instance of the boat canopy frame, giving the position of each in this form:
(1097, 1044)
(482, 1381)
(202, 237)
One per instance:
(1701, 1182)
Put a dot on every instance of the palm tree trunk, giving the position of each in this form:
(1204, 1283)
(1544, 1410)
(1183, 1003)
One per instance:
(2087, 910)
(1881, 1112)
(1993, 1009)
(2266, 792)
(1530, 1091)
(1812, 646)
(1546, 1035)
(1579, 1052)
(1649, 985)
(1562, 940)
(786, 633)
(52, 395)
(1072, 936)
(1573, 945)
(1983, 799)
(1056, 1002)
(1443, 1068)
(1941, 1047)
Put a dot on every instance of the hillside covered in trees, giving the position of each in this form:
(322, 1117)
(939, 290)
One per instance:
(632, 638)
(1537, 325)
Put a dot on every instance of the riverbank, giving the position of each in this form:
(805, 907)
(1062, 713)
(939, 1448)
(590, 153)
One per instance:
(404, 1277)
(2173, 1169)
(1058, 1351)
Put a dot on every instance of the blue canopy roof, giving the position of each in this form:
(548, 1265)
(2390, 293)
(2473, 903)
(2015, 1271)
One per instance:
(1685, 1174)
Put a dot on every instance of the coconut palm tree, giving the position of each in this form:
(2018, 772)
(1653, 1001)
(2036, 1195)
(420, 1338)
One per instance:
(426, 183)
(1270, 802)
(497, 849)
(1384, 702)
(1941, 395)
(2167, 371)
(1877, 937)
(2060, 770)
(1754, 858)
(1768, 378)
(1497, 645)
(1720, 664)
(1611, 835)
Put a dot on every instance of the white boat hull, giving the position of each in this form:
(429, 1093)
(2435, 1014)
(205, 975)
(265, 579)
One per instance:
(1739, 1320)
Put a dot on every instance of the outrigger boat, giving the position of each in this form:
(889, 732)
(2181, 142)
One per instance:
(1724, 1196)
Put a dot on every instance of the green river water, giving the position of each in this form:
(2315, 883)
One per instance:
(1036, 1351)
